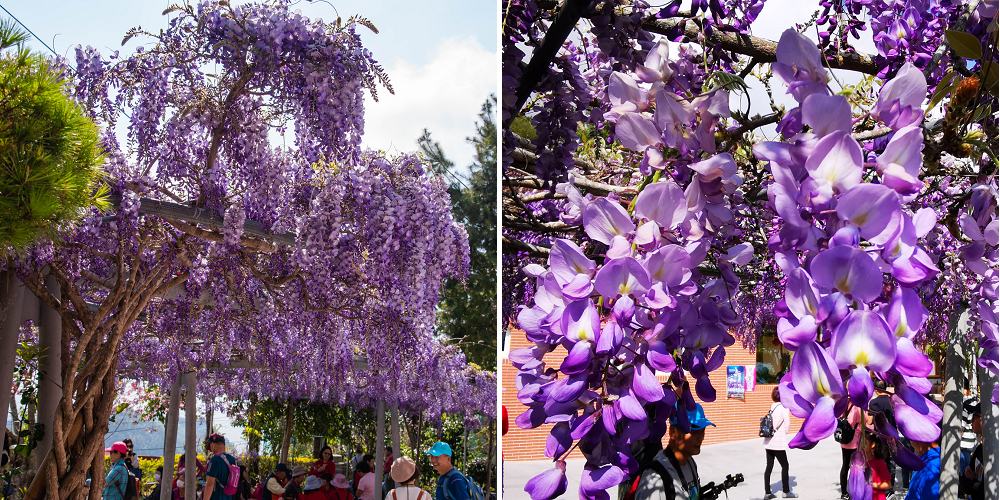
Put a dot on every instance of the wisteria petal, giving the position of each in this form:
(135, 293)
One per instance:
(913, 425)
(720, 165)
(601, 479)
(860, 387)
(558, 441)
(821, 423)
(580, 321)
(705, 390)
(863, 339)
(659, 358)
(645, 385)
(836, 159)
(826, 113)
(868, 206)
(704, 335)
(670, 264)
(662, 202)
(630, 407)
(548, 485)
(801, 294)
(791, 399)
(910, 360)
(637, 132)
(578, 358)
(850, 271)
(794, 334)
(604, 219)
(857, 484)
(814, 374)
(622, 276)
(610, 338)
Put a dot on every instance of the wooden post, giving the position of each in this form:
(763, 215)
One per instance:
(465, 451)
(379, 447)
(190, 434)
(13, 294)
(208, 420)
(951, 424)
(397, 448)
(49, 366)
(489, 457)
(987, 381)
(170, 439)
(287, 440)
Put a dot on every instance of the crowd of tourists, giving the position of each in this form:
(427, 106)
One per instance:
(669, 473)
(225, 479)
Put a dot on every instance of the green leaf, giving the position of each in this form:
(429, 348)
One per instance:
(991, 77)
(727, 80)
(944, 88)
(965, 45)
(171, 9)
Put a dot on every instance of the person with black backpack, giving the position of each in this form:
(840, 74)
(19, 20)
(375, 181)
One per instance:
(451, 485)
(673, 473)
(774, 429)
(120, 483)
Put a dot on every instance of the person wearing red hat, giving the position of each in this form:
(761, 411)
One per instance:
(117, 480)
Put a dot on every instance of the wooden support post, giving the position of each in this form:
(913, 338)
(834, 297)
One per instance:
(208, 419)
(465, 451)
(11, 297)
(49, 366)
(170, 440)
(286, 442)
(991, 418)
(951, 424)
(190, 434)
(379, 447)
(489, 457)
(397, 448)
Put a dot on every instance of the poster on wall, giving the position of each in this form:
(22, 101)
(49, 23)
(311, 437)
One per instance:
(751, 377)
(735, 382)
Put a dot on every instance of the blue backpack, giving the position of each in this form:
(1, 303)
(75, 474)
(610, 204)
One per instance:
(475, 492)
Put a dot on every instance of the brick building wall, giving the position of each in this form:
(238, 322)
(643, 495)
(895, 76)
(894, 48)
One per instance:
(735, 419)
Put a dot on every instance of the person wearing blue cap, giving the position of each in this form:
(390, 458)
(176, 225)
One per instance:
(673, 474)
(451, 484)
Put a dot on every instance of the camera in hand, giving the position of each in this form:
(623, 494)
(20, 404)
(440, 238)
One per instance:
(711, 490)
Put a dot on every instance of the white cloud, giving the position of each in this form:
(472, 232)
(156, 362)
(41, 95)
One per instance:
(444, 96)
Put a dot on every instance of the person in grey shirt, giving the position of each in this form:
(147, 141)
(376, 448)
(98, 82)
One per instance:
(673, 474)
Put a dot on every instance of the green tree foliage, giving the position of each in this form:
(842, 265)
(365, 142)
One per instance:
(50, 151)
(468, 311)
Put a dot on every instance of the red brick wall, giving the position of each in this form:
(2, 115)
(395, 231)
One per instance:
(735, 419)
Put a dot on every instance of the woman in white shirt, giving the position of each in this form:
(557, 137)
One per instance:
(776, 446)
(406, 474)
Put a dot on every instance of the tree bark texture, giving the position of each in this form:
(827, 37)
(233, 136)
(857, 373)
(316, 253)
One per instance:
(286, 441)
(88, 354)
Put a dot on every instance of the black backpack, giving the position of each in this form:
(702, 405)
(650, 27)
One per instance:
(845, 431)
(131, 490)
(767, 425)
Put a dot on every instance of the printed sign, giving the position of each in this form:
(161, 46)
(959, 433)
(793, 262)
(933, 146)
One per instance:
(751, 378)
(735, 382)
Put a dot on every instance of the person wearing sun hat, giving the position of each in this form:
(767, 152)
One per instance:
(406, 474)
(673, 473)
(312, 489)
(340, 489)
(117, 479)
(451, 484)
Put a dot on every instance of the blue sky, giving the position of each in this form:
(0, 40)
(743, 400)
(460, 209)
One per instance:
(440, 56)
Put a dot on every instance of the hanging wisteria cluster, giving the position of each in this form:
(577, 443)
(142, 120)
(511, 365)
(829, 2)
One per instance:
(856, 234)
(265, 263)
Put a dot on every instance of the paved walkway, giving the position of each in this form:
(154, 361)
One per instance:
(813, 474)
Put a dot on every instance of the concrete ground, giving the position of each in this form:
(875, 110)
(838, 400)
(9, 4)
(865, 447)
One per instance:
(813, 474)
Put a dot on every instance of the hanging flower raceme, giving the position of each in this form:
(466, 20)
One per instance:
(852, 255)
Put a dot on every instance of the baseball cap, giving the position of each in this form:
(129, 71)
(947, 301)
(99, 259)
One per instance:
(216, 438)
(281, 468)
(439, 448)
(696, 417)
(121, 448)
